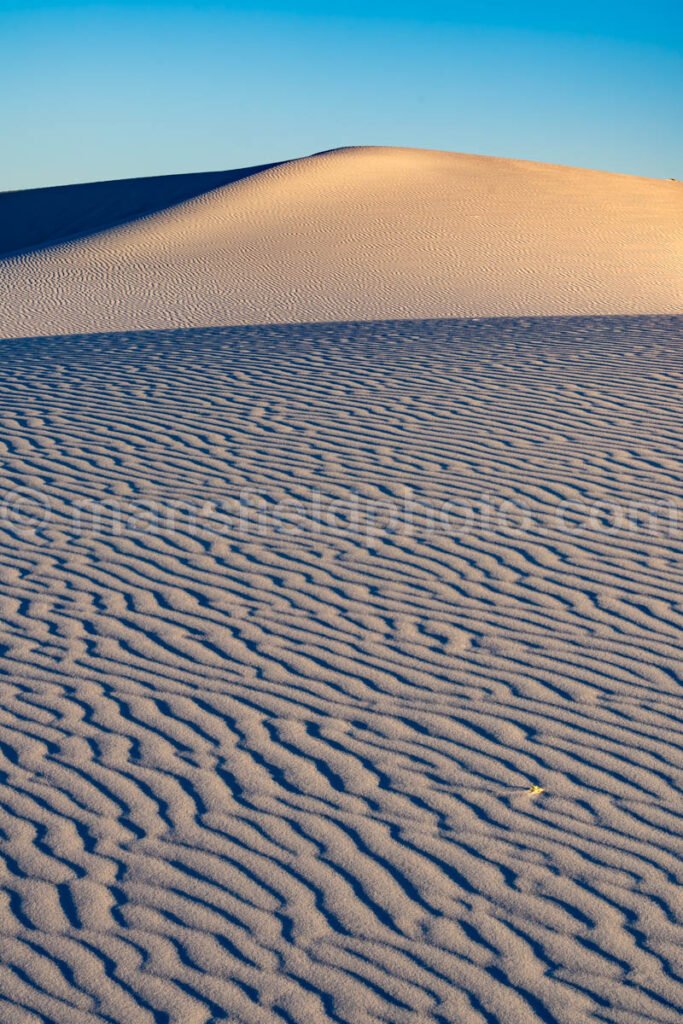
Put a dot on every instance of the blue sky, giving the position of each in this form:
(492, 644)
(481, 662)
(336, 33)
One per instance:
(112, 90)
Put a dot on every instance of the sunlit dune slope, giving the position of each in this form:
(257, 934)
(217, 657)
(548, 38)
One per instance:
(41, 217)
(364, 234)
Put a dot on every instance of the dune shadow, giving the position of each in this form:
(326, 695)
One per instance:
(40, 217)
(436, 334)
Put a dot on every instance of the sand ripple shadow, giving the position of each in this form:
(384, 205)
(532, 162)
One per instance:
(293, 619)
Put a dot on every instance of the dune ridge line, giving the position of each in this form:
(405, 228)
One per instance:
(359, 233)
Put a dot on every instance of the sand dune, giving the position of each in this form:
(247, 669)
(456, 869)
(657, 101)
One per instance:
(41, 217)
(358, 234)
(340, 662)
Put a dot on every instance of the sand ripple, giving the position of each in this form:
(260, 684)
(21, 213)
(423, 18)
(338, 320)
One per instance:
(354, 234)
(279, 769)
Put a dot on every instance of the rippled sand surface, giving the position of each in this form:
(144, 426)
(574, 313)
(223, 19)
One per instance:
(353, 234)
(340, 662)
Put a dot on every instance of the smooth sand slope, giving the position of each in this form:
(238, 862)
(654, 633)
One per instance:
(355, 234)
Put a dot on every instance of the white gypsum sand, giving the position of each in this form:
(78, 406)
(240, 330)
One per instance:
(341, 661)
(357, 234)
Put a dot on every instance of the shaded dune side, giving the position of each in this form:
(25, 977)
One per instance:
(276, 775)
(366, 234)
(39, 217)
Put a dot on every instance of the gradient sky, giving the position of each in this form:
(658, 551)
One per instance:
(94, 90)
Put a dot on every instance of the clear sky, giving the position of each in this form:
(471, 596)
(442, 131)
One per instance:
(90, 91)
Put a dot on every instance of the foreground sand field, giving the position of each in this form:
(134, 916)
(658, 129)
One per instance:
(340, 674)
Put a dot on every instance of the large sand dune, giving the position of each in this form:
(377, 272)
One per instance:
(340, 662)
(357, 234)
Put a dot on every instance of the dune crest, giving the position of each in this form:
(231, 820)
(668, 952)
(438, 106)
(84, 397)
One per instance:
(364, 234)
(41, 217)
